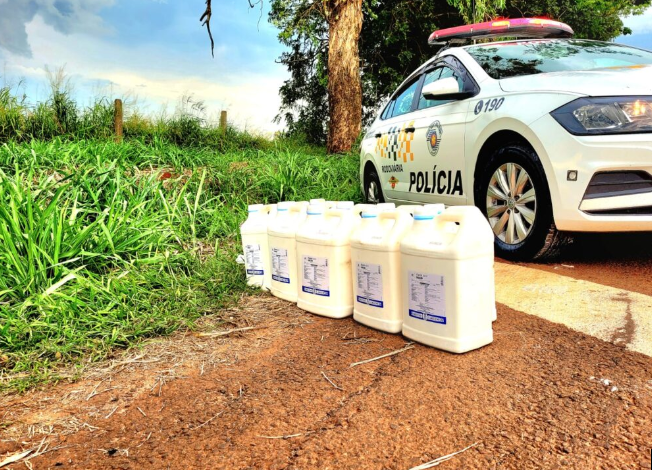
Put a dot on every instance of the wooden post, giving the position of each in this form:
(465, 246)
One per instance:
(223, 122)
(117, 120)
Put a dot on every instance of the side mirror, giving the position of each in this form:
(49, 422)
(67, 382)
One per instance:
(445, 89)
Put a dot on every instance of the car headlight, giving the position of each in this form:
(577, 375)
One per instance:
(612, 115)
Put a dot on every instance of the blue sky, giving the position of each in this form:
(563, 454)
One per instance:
(642, 27)
(152, 49)
(156, 51)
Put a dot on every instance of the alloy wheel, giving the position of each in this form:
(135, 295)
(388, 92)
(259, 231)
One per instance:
(373, 196)
(511, 203)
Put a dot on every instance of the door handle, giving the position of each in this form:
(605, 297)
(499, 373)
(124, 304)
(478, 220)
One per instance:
(409, 130)
(378, 136)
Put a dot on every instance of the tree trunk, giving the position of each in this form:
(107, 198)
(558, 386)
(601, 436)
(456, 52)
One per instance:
(344, 88)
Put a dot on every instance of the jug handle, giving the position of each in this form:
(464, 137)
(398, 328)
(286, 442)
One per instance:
(458, 214)
(407, 209)
(267, 208)
(333, 213)
(299, 207)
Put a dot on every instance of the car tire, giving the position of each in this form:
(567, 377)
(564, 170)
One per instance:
(373, 192)
(523, 224)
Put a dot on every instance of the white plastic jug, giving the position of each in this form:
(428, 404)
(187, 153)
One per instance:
(324, 262)
(376, 268)
(447, 281)
(254, 244)
(323, 202)
(283, 249)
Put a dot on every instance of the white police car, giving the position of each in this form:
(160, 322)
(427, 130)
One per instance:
(544, 135)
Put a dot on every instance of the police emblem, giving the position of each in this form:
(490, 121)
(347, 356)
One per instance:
(393, 181)
(433, 136)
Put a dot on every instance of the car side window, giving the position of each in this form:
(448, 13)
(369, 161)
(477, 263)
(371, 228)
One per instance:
(438, 74)
(387, 113)
(403, 102)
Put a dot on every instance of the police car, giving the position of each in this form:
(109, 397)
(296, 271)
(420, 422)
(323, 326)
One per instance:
(543, 133)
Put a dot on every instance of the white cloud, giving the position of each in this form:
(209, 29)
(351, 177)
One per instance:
(67, 16)
(158, 79)
(640, 23)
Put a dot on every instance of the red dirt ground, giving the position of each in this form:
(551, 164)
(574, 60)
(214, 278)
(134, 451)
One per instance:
(621, 260)
(541, 396)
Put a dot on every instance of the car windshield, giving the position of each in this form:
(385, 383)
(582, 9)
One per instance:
(513, 59)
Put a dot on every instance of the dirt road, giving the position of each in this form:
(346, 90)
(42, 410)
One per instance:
(284, 395)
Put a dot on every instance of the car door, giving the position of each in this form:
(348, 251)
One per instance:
(437, 175)
(394, 133)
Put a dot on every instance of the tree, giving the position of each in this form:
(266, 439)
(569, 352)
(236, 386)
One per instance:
(393, 42)
(344, 21)
(384, 58)
(590, 19)
(476, 11)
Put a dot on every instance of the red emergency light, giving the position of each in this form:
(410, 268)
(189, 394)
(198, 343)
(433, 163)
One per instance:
(516, 28)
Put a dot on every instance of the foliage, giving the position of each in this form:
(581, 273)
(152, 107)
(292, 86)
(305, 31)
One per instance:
(476, 11)
(591, 19)
(304, 30)
(103, 244)
(393, 43)
(61, 117)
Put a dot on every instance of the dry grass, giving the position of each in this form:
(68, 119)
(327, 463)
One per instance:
(110, 387)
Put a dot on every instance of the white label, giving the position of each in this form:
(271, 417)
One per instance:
(369, 284)
(426, 293)
(253, 260)
(316, 276)
(280, 265)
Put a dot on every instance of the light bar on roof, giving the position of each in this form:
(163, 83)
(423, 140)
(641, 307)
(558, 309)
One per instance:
(517, 28)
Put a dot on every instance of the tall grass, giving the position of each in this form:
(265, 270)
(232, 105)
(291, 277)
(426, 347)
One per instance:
(103, 244)
(60, 116)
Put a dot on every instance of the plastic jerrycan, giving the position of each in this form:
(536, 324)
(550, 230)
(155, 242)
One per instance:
(254, 244)
(376, 268)
(323, 202)
(283, 249)
(447, 280)
(324, 261)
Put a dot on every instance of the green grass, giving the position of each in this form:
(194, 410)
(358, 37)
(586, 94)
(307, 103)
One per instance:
(104, 244)
(60, 117)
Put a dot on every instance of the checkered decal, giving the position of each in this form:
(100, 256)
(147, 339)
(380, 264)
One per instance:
(396, 144)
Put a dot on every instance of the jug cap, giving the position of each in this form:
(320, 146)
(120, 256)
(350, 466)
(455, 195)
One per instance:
(315, 209)
(284, 206)
(347, 205)
(318, 201)
(427, 212)
(254, 208)
(370, 213)
(436, 208)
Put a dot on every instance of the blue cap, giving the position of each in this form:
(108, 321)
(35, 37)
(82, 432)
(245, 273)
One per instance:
(315, 209)
(284, 206)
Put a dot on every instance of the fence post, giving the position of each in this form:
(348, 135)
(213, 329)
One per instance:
(223, 122)
(117, 120)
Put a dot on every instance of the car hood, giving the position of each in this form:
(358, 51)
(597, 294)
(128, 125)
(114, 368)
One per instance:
(636, 80)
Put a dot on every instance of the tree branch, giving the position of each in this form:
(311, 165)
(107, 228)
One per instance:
(206, 18)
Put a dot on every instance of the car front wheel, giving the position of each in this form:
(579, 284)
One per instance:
(512, 192)
(372, 190)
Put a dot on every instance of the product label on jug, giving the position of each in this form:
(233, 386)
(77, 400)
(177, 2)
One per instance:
(315, 276)
(426, 301)
(369, 282)
(253, 260)
(280, 265)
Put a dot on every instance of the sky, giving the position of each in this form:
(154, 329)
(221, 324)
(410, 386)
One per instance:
(156, 51)
(641, 26)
